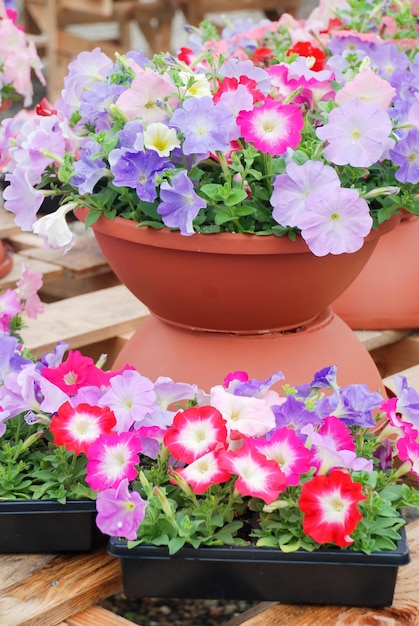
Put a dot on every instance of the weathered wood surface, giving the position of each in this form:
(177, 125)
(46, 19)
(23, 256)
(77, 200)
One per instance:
(403, 612)
(85, 319)
(43, 590)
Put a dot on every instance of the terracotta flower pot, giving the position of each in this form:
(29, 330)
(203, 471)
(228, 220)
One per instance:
(6, 258)
(385, 294)
(227, 301)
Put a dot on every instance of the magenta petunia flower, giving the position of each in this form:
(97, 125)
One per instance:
(272, 127)
(112, 458)
(288, 450)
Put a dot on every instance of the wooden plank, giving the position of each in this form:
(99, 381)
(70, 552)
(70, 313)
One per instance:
(84, 259)
(96, 616)
(14, 568)
(412, 375)
(50, 272)
(7, 225)
(373, 339)
(85, 319)
(64, 586)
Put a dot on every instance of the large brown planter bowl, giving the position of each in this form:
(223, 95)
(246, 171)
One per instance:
(228, 301)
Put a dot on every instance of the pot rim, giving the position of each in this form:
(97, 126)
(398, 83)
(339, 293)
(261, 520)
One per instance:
(227, 243)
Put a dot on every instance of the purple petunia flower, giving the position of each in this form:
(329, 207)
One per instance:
(294, 414)
(179, 203)
(138, 170)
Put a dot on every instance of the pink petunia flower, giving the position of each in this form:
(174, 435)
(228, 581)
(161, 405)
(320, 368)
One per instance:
(330, 508)
(408, 450)
(248, 416)
(111, 459)
(29, 284)
(195, 432)
(272, 127)
(368, 87)
(257, 476)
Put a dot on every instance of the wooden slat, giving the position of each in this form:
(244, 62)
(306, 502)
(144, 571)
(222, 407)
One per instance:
(50, 272)
(373, 339)
(61, 588)
(7, 225)
(96, 616)
(85, 319)
(403, 612)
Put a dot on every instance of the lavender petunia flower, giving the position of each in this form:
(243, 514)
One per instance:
(88, 170)
(120, 511)
(408, 400)
(256, 388)
(406, 154)
(357, 133)
(208, 127)
(354, 405)
(179, 203)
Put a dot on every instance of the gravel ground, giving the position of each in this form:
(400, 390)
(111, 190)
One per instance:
(176, 612)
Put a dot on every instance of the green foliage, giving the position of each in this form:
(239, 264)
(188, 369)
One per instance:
(32, 467)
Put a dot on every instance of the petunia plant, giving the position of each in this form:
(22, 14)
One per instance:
(280, 128)
(18, 59)
(246, 462)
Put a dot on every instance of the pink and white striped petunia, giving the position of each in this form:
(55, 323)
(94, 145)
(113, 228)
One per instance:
(248, 416)
(194, 432)
(79, 427)
(204, 472)
(330, 508)
(272, 127)
(257, 476)
(111, 459)
(287, 449)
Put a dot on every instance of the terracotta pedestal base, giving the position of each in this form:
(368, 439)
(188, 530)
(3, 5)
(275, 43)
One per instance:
(205, 358)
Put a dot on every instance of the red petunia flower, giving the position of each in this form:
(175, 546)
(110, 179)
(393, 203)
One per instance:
(306, 49)
(194, 432)
(330, 507)
(78, 427)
